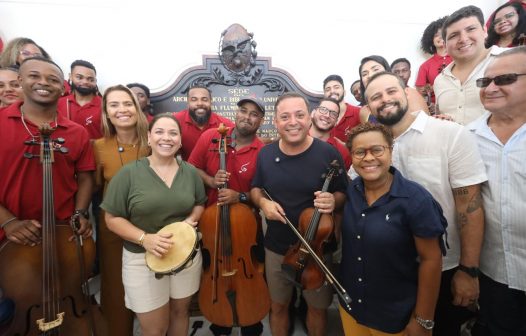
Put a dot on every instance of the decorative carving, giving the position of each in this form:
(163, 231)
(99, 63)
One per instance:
(237, 49)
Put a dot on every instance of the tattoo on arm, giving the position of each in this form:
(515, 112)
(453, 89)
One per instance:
(462, 220)
(460, 191)
(475, 203)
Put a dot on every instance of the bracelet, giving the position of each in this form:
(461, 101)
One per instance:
(8, 221)
(141, 238)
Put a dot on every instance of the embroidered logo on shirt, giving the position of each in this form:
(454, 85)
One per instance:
(243, 168)
(89, 121)
(387, 218)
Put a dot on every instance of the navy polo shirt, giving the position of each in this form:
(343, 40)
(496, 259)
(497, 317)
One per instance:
(379, 266)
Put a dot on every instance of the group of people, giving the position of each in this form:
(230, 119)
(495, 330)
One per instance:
(427, 212)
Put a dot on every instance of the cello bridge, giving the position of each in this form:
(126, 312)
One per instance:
(45, 326)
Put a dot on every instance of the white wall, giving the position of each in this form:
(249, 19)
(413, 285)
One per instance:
(153, 41)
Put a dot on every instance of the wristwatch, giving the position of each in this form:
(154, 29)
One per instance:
(82, 212)
(426, 324)
(243, 198)
(471, 271)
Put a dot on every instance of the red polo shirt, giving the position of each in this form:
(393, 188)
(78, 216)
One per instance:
(191, 132)
(21, 187)
(347, 160)
(241, 164)
(88, 116)
(350, 119)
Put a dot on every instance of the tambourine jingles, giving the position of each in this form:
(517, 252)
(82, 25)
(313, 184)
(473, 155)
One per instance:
(185, 240)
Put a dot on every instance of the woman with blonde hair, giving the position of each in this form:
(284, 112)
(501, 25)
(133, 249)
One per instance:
(20, 48)
(125, 132)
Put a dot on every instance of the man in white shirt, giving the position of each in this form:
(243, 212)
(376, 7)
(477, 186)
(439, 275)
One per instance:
(455, 90)
(501, 137)
(443, 157)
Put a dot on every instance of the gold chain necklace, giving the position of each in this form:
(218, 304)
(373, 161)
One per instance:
(33, 137)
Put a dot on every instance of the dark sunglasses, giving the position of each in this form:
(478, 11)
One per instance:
(505, 79)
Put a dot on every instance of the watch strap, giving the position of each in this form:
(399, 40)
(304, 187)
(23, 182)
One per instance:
(471, 271)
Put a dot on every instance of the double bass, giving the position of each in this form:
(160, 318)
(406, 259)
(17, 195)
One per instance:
(46, 282)
(233, 291)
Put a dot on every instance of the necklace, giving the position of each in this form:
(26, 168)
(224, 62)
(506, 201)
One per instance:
(167, 173)
(120, 150)
(33, 137)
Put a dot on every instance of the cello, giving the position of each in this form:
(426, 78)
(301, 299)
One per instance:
(316, 228)
(46, 282)
(233, 291)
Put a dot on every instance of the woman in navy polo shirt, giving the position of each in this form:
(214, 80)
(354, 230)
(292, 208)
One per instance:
(391, 243)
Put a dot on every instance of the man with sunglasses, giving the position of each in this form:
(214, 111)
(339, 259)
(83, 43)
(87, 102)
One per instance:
(501, 137)
(324, 119)
(455, 90)
(443, 157)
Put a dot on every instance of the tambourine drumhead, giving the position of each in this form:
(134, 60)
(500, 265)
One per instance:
(184, 238)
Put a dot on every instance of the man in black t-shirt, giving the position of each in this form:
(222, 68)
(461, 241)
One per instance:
(292, 171)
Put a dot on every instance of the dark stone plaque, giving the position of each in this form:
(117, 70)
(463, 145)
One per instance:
(235, 73)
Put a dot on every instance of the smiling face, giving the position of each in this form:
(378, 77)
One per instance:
(506, 21)
(164, 137)
(387, 99)
(369, 68)
(465, 39)
(324, 122)
(121, 110)
(505, 98)
(10, 89)
(334, 89)
(292, 121)
(370, 167)
(248, 119)
(42, 82)
(199, 105)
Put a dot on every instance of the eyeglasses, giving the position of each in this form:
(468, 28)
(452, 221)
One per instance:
(505, 17)
(505, 79)
(376, 151)
(28, 54)
(324, 111)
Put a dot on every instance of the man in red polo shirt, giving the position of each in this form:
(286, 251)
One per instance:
(84, 104)
(243, 148)
(21, 187)
(323, 121)
(197, 118)
(333, 88)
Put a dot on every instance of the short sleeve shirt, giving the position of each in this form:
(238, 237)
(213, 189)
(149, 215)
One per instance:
(191, 132)
(88, 115)
(138, 194)
(21, 187)
(291, 181)
(350, 119)
(379, 266)
(241, 164)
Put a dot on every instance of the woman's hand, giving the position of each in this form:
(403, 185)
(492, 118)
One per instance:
(157, 244)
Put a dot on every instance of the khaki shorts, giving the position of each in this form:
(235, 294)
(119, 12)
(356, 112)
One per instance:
(280, 287)
(144, 293)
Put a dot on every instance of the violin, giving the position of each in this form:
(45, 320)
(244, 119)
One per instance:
(46, 282)
(345, 299)
(316, 228)
(233, 291)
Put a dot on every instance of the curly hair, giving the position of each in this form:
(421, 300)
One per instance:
(493, 38)
(426, 41)
(370, 127)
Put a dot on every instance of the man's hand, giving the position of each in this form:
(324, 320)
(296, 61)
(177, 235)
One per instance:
(272, 210)
(464, 288)
(24, 232)
(227, 196)
(220, 178)
(324, 201)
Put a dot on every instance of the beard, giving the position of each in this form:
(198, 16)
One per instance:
(318, 127)
(392, 118)
(84, 91)
(200, 120)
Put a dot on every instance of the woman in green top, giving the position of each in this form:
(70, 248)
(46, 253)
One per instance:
(142, 198)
